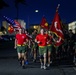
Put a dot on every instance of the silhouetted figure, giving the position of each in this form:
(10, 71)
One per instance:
(71, 44)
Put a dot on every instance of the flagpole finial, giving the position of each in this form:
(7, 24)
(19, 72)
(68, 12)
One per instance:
(57, 7)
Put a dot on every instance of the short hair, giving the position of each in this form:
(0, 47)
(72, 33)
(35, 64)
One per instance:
(70, 30)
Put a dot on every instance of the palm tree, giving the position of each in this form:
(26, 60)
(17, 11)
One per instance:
(17, 3)
(3, 4)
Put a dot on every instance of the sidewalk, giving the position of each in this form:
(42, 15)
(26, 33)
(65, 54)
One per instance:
(8, 53)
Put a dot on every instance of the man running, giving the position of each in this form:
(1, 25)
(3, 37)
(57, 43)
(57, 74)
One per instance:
(20, 42)
(41, 39)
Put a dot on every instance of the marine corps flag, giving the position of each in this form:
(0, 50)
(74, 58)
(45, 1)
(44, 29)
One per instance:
(44, 23)
(56, 28)
(10, 29)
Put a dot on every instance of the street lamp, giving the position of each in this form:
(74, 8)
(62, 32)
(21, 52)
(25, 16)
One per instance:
(36, 10)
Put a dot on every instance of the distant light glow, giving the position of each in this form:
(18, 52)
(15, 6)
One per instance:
(36, 11)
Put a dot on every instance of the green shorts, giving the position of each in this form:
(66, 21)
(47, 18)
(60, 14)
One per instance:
(49, 48)
(42, 50)
(21, 49)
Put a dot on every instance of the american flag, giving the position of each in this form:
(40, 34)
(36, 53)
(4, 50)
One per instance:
(15, 24)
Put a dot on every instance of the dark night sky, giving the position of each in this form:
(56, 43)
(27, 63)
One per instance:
(67, 10)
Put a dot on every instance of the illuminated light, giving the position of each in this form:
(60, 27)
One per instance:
(35, 27)
(36, 11)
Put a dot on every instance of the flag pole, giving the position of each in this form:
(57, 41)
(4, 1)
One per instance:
(57, 7)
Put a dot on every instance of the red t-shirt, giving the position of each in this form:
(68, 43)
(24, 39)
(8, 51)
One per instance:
(42, 39)
(21, 38)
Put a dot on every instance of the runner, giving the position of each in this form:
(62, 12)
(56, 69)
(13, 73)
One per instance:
(41, 39)
(20, 42)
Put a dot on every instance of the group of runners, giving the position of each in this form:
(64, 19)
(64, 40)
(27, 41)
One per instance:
(39, 43)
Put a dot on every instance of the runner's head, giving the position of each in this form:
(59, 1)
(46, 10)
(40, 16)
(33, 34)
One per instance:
(42, 31)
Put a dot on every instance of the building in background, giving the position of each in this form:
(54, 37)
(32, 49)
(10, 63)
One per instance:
(72, 26)
(5, 24)
(23, 24)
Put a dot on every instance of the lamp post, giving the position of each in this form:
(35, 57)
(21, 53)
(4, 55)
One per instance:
(36, 11)
(39, 27)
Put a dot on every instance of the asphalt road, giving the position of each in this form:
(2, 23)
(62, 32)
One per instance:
(9, 65)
